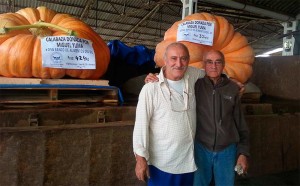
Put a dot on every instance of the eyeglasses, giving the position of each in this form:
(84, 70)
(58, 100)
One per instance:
(217, 63)
(178, 105)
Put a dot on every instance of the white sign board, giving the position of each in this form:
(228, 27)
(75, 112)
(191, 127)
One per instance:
(196, 31)
(67, 52)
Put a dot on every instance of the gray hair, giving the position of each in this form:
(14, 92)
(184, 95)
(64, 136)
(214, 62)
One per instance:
(176, 44)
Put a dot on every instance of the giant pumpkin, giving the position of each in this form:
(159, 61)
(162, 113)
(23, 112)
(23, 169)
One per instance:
(20, 43)
(239, 56)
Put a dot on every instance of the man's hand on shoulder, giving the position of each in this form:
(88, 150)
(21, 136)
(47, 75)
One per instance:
(241, 85)
(151, 78)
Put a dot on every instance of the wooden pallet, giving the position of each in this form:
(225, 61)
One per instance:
(30, 90)
(37, 81)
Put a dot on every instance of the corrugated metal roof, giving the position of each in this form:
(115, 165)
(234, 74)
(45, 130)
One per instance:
(143, 22)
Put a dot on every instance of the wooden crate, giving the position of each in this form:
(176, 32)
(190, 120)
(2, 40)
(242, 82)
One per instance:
(67, 146)
(31, 90)
(93, 146)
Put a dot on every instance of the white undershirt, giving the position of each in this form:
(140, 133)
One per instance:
(176, 85)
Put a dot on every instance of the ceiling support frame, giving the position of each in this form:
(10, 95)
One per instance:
(11, 6)
(86, 9)
(290, 47)
(252, 9)
(189, 7)
(141, 21)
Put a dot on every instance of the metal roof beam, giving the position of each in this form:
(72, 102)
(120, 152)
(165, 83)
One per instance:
(11, 6)
(252, 9)
(142, 20)
(86, 9)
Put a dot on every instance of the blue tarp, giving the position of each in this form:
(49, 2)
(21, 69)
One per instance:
(128, 62)
(136, 55)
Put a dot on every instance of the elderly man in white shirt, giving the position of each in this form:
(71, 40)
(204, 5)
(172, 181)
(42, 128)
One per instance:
(164, 131)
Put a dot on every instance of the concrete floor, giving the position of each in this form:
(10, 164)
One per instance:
(282, 179)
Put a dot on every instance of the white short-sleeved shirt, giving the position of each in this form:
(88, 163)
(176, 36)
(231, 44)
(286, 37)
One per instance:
(164, 134)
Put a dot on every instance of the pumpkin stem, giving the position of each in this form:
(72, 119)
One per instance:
(39, 24)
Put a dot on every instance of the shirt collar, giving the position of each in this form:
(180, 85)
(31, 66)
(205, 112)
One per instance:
(161, 77)
(221, 81)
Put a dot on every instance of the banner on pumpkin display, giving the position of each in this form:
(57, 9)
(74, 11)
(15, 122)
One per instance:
(196, 31)
(67, 52)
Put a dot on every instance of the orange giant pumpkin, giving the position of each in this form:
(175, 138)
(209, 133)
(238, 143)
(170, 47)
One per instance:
(239, 56)
(20, 49)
